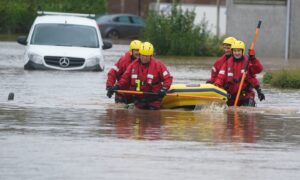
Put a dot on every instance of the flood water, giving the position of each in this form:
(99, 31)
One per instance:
(61, 125)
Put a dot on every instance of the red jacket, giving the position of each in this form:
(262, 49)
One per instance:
(217, 66)
(253, 81)
(115, 73)
(231, 73)
(153, 76)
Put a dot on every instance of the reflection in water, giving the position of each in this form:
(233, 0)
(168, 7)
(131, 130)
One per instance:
(135, 124)
(241, 129)
(201, 126)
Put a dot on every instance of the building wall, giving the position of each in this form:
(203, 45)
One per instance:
(205, 12)
(140, 7)
(212, 2)
(242, 20)
(137, 7)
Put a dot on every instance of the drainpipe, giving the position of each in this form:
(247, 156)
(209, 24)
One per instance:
(157, 5)
(139, 7)
(122, 5)
(287, 31)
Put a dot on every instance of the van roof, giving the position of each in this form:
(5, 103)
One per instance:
(60, 19)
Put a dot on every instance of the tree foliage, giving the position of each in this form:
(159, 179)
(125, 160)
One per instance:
(16, 16)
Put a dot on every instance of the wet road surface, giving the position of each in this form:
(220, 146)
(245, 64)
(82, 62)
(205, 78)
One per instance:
(62, 126)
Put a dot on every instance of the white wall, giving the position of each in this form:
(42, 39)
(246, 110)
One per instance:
(242, 20)
(209, 12)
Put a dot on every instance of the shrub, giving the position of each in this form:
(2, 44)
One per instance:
(176, 34)
(267, 78)
(283, 78)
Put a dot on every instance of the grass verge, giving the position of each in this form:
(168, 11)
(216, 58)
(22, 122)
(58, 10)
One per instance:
(284, 78)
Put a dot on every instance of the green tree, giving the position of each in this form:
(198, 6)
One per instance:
(16, 16)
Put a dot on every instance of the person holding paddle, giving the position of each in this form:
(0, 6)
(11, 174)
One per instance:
(148, 76)
(119, 69)
(231, 73)
(227, 43)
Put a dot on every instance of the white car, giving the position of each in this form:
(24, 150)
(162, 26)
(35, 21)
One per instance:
(64, 41)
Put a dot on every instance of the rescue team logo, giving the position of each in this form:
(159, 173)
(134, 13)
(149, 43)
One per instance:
(149, 78)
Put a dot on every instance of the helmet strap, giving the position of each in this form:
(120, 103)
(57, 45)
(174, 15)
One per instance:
(238, 59)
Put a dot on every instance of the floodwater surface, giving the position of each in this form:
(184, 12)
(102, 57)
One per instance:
(61, 125)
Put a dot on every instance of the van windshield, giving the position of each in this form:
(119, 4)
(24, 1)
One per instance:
(65, 35)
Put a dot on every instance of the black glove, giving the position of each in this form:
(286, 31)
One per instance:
(260, 95)
(251, 53)
(163, 91)
(111, 90)
(230, 97)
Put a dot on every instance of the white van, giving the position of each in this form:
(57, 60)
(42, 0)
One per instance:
(64, 41)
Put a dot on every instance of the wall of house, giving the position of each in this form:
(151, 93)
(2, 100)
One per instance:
(242, 20)
(137, 7)
(140, 7)
(204, 12)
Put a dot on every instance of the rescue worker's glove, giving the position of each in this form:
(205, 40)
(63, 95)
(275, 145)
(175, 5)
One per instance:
(162, 92)
(260, 95)
(251, 53)
(230, 97)
(111, 90)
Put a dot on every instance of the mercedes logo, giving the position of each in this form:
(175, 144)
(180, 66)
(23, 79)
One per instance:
(64, 62)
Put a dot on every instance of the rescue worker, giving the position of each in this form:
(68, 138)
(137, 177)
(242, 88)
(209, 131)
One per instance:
(221, 60)
(146, 74)
(230, 75)
(119, 68)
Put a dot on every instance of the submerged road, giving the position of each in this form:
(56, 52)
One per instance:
(61, 125)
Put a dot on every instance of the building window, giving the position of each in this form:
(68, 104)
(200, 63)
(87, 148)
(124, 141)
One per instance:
(261, 2)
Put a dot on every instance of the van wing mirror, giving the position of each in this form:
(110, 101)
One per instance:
(22, 40)
(106, 45)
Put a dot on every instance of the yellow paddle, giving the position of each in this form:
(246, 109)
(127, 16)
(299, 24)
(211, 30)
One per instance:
(171, 94)
(246, 68)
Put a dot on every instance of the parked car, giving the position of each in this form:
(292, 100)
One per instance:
(116, 26)
(64, 41)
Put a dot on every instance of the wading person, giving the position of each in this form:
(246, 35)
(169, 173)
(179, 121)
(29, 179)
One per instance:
(118, 70)
(146, 74)
(230, 75)
(221, 60)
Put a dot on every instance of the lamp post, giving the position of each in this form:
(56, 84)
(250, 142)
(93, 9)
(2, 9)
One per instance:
(287, 31)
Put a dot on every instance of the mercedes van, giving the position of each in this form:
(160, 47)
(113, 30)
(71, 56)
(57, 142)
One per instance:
(64, 41)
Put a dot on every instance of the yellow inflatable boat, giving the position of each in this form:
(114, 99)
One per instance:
(188, 96)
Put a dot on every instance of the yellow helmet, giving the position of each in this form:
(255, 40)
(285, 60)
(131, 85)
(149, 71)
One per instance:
(238, 45)
(229, 40)
(135, 44)
(146, 49)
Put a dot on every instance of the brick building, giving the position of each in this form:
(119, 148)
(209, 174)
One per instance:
(140, 7)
